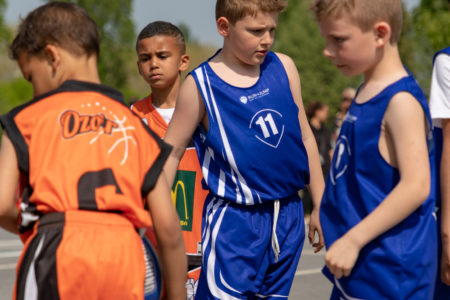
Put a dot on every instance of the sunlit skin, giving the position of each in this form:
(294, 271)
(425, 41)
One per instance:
(351, 50)
(246, 44)
(402, 141)
(38, 71)
(160, 62)
(54, 65)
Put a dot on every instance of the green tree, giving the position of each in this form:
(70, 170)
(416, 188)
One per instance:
(117, 35)
(298, 36)
(4, 30)
(432, 20)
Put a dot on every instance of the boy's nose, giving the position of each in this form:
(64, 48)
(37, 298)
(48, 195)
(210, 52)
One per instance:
(327, 52)
(267, 38)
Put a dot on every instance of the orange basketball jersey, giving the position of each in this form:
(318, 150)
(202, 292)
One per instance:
(188, 194)
(82, 149)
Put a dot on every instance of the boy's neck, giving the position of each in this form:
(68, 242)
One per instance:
(233, 71)
(387, 70)
(166, 97)
(82, 69)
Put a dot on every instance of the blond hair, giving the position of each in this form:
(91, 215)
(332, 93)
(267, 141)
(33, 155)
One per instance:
(365, 13)
(234, 10)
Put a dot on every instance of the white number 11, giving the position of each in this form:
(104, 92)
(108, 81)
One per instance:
(262, 123)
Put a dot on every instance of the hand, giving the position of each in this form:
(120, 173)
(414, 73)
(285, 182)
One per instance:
(445, 263)
(341, 257)
(314, 226)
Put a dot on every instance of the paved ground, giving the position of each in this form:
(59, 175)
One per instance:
(309, 283)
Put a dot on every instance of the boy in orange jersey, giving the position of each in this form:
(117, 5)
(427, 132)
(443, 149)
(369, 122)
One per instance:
(162, 57)
(90, 164)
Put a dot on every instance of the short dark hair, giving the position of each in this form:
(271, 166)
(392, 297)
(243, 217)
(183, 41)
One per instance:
(313, 107)
(61, 23)
(162, 28)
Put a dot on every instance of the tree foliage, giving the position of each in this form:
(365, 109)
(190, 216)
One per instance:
(117, 34)
(298, 36)
(4, 30)
(432, 19)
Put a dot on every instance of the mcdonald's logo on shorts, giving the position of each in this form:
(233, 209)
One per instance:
(183, 197)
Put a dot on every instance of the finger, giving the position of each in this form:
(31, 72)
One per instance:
(445, 276)
(337, 273)
(347, 272)
(318, 247)
(311, 234)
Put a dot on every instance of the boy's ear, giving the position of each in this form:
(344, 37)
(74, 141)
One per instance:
(223, 26)
(53, 56)
(382, 33)
(184, 62)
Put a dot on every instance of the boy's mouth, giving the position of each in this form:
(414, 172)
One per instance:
(262, 52)
(155, 76)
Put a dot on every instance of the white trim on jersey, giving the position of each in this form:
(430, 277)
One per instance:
(206, 161)
(229, 154)
(201, 81)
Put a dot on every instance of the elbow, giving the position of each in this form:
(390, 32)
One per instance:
(169, 235)
(420, 189)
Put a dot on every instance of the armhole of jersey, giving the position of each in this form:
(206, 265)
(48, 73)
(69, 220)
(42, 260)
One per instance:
(155, 170)
(17, 139)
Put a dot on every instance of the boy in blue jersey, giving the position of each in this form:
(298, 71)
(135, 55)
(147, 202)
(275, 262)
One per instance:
(256, 149)
(440, 112)
(377, 208)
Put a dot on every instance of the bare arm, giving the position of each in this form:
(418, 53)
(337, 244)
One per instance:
(189, 112)
(316, 185)
(9, 177)
(405, 122)
(445, 202)
(170, 240)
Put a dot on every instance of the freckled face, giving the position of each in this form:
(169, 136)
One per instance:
(252, 37)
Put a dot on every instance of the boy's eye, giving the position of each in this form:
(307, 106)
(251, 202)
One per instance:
(339, 39)
(257, 31)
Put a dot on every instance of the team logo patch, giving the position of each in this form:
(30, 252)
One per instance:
(73, 123)
(269, 127)
(183, 197)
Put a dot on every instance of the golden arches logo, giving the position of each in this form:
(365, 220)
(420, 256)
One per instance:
(174, 194)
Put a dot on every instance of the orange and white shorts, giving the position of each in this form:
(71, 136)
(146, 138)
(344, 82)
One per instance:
(82, 255)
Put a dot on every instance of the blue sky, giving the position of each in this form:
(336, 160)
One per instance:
(198, 15)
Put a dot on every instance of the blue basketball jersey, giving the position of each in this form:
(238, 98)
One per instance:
(253, 150)
(401, 263)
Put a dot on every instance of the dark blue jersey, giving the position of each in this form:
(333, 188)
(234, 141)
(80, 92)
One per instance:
(253, 151)
(401, 263)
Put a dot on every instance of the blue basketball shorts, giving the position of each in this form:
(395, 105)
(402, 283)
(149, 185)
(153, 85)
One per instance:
(250, 252)
(442, 291)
